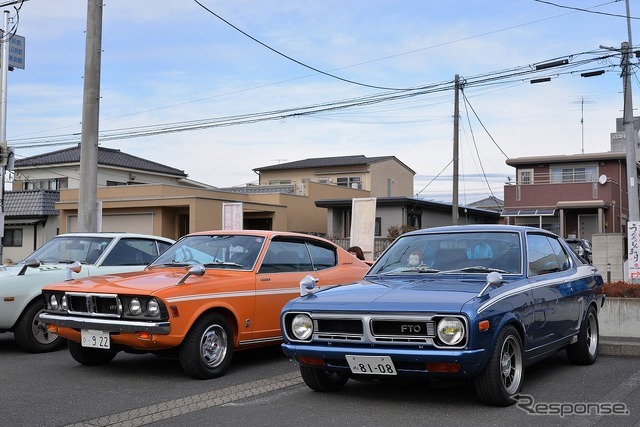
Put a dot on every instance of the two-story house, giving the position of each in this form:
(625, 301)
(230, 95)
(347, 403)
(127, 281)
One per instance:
(572, 195)
(384, 176)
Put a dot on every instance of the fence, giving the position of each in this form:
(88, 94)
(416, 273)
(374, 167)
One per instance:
(379, 244)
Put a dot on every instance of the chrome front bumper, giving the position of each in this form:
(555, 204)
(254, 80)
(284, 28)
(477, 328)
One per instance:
(108, 325)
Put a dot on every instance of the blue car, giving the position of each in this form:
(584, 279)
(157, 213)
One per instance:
(478, 302)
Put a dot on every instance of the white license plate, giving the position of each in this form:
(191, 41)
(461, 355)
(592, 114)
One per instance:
(95, 339)
(371, 365)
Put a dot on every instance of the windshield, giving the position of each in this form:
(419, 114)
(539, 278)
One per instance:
(467, 252)
(69, 249)
(213, 251)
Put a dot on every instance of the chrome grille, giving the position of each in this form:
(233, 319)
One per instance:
(104, 305)
(405, 330)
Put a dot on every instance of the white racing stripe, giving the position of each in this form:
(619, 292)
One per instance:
(217, 295)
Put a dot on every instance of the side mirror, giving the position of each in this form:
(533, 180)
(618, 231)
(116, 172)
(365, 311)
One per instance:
(493, 279)
(196, 270)
(30, 263)
(76, 267)
(307, 284)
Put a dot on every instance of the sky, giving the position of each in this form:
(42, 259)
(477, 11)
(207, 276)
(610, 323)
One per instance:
(214, 63)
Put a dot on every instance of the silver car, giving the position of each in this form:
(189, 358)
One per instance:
(97, 253)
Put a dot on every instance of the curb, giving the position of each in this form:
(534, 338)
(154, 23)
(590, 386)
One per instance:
(619, 346)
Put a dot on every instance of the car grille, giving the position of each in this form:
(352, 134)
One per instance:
(94, 304)
(374, 329)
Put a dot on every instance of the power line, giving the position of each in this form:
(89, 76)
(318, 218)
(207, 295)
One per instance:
(292, 59)
(579, 9)
(509, 76)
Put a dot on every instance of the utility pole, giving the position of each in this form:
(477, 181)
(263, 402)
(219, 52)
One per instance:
(4, 69)
(629, 134)
(456, 114)
(87, 195)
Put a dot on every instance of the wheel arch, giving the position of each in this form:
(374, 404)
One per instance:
(227, 314)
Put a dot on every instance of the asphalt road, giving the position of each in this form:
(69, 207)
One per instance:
(264, 388)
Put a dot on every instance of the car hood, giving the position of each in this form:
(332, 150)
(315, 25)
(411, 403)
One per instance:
(142, 282)
(13, 270)
(392, 296)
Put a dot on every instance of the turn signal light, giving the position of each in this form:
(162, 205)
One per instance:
(312, 361)
(483, 325)
(174, 311)
(52, 328)
(450, 368)
(144, 336)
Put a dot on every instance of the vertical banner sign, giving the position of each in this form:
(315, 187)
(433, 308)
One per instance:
(232, 216)
(633, 230)
(363, 224)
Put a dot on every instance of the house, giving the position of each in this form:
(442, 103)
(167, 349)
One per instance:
(30, 219)
(491, 203)
(400, 212)
(572, 195)
(384, 176)
(30, 214)
(59, 170)
(580, 195)
(173, 211)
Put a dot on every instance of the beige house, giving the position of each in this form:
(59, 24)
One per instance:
(138, 195)
(173, 211)
(382, 176)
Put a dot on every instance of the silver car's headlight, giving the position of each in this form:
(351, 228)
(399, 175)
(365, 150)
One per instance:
(450, 330)
(153, 308)
(134, 306)
(53, 302)
(302, 326)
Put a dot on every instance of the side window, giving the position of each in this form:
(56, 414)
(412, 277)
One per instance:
(542, 258)
(132, 252)
(162, 246)
(286, 257)
(322, 257)
(561, 255)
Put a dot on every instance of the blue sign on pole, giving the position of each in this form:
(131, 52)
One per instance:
(16, 52)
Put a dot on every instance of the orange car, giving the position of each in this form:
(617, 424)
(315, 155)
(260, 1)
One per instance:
(208, 295)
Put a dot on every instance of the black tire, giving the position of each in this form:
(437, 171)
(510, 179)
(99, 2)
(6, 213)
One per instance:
(501, 380)
(585, 350)
(322, 380)
(207, 349)
(90, 356)
(31, 333)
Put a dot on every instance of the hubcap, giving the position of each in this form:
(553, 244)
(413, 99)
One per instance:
(592, 334)
(213, 346)
(40, 332)
(511, 365)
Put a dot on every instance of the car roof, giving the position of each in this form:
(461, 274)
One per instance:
(114, 235)
(264, 233)
(479, 228)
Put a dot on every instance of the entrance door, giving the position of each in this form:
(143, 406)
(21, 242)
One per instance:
(588, 226)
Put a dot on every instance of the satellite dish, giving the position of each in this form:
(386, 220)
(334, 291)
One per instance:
(602, 179)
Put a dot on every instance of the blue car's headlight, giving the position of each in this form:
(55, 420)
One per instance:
(450, 330)
(302, 326)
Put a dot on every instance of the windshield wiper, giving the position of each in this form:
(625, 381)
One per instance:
(423, 269)
(223, 264)
(476, 269)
